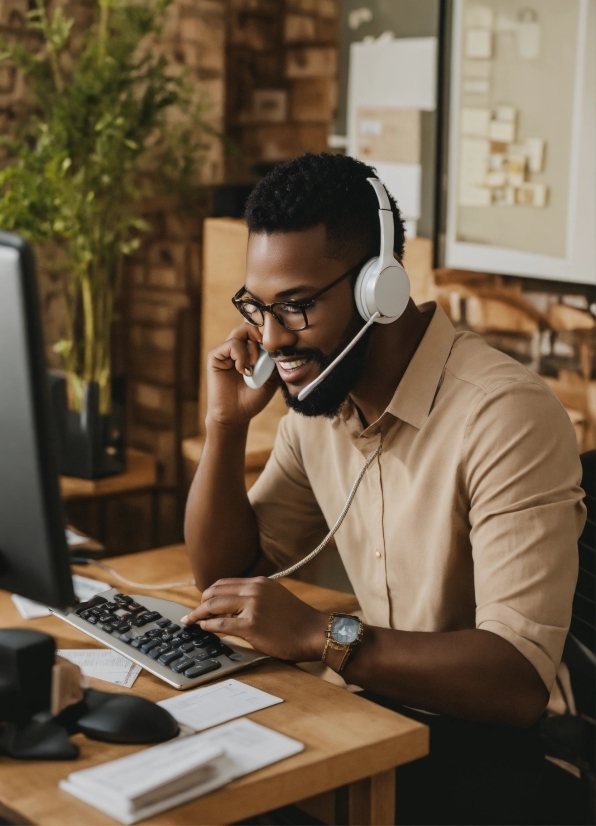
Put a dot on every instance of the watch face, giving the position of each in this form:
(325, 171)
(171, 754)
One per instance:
(345, 629)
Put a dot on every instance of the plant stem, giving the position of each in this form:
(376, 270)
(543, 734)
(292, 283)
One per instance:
(54, 62)
(104, 8)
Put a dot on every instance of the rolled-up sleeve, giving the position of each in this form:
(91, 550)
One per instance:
(289, 519)
(522, 475)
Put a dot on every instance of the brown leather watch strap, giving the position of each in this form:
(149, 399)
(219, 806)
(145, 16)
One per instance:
(334, 657)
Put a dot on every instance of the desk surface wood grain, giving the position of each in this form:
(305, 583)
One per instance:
(347, 739)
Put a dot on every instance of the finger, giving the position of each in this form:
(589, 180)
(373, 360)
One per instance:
(214, 607)
(242, 586)
(232, 626)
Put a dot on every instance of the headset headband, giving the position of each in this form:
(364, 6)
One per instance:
(386, 258)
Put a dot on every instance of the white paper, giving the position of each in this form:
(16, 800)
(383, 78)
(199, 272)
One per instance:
(479, 43)
(214, 704)
(481, 16)
(475, 122)
(73, 538)
(84, 589)
(501, 131)
(103, 664)
(248, 746)
(29, 609)
(476, 86)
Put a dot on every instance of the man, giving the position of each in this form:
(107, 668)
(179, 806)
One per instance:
(461, 540)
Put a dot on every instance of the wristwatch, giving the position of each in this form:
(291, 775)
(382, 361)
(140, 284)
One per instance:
(343, 634)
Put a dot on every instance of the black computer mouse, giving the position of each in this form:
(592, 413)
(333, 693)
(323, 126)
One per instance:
(122, 719)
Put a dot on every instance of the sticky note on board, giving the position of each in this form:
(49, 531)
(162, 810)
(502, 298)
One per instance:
(388, 133)
(475, 122)
(478, 43)
(501, 131)
(479, 16)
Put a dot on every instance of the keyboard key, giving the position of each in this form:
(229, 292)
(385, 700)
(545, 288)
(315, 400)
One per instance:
(162, 623)
(154, 632)
(238, 658)
(126, 638)
(173, 627)
(182, 665)
(152, 616)
(166, 637)
(184, 635)
(214, 650)
(198, 658)
(92, 619)
(146, 648)
(91, 603)
(168, 658)
(138, 642)
(138, 622)
(156, 652)
(187, 647)
(199, 669)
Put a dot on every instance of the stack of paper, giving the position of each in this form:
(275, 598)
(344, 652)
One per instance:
(103, 664)
(143, 784)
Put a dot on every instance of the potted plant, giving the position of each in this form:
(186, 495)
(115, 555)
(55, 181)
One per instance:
(99, 137)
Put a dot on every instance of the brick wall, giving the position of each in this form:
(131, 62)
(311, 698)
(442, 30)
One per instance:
(281, 79)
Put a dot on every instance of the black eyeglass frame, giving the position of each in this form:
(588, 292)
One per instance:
(300, 304)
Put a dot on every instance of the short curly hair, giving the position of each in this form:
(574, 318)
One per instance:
(323, 189)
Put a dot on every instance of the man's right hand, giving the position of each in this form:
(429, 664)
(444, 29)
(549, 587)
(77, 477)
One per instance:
(231, 402)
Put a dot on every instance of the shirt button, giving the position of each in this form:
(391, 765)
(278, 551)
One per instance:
(378, 554)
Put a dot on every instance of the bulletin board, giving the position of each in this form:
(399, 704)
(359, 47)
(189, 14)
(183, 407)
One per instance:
(521, 159)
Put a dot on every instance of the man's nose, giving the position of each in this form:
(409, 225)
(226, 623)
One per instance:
(275, 335)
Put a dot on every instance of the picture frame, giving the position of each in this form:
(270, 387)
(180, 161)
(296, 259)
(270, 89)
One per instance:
(517, 148)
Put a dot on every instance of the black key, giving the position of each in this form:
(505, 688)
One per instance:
(95, 611)
(158, 651)
(199, 658)
(202, 668)
(187, 647)
(138, 622)
(162, 623)
(146, 647)
(214, 650)
(225, 649)
(184, 635)
(197, 631)
(91, 603)
(92, 619)
(107, 625)
(173, 627)
(111, 606)
(154, 632)
(126, 638)
(168, 658)
(206, 639)
(134, 607)
(238, 658)
(138, 642)
(85, 614)
(166, 637)
(182, 665)
(152, 616)
(124, 627)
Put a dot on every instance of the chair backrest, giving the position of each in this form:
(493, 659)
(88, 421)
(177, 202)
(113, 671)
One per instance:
(583, 620)
(579, 648)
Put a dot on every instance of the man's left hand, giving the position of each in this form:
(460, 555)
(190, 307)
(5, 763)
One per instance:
(265, 614)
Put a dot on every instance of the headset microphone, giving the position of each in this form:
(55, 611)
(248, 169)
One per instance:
(382, 289)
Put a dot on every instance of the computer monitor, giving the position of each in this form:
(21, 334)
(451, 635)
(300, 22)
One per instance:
(34, 558)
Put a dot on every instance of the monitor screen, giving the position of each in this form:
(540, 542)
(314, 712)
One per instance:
(34, 559)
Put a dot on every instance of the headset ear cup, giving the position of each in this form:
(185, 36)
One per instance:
(386, 292)
(360, 288)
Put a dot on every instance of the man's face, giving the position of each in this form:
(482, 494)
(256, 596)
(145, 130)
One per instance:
(294, 266)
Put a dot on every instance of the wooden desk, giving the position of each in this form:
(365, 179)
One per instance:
(351, 744)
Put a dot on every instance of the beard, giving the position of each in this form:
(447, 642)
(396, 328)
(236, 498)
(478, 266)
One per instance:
(329, 397)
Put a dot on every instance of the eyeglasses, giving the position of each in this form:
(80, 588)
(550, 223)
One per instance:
(290, 314)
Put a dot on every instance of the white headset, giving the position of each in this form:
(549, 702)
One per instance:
(383, 285)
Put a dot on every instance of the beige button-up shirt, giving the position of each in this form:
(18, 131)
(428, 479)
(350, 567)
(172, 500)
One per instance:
(470, 515)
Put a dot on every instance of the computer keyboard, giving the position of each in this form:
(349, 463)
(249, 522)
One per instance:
(148, 631)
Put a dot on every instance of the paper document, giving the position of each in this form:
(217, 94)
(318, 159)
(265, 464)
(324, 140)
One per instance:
(215, 704)
(84, 588)
(143, 784)
(104, 664)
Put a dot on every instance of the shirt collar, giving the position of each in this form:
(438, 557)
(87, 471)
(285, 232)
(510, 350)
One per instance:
(413, 399)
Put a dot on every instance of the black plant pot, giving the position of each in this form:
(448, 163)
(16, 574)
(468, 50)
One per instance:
(90, 443)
